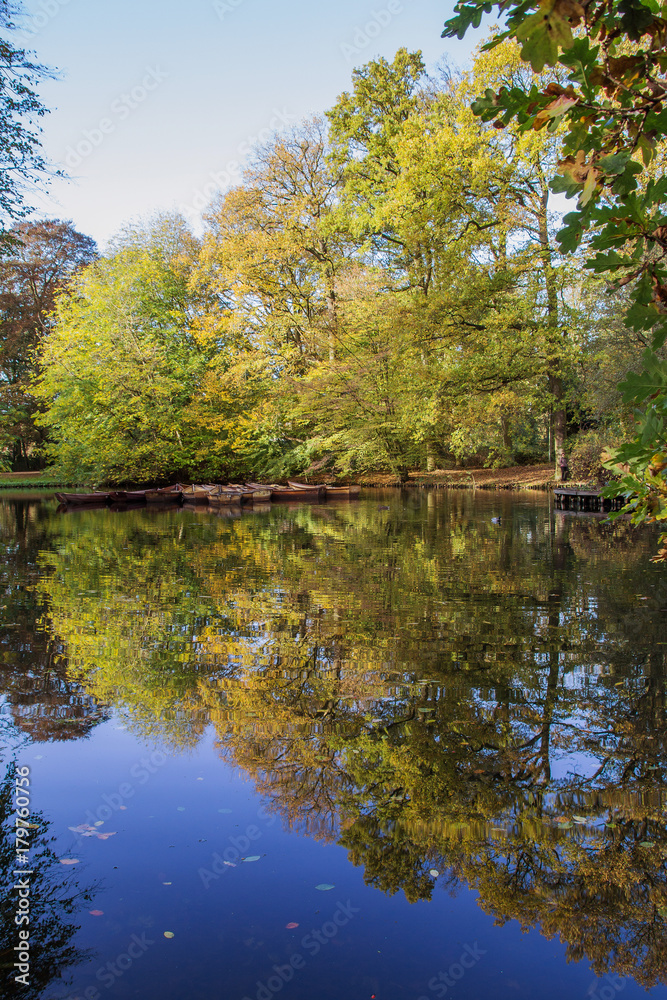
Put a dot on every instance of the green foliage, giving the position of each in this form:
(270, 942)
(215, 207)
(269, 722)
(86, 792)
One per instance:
(612, 114)
(121, 364)
(383, 291)
(21, 159)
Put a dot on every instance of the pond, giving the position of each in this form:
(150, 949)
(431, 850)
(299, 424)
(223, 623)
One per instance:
(403, 748)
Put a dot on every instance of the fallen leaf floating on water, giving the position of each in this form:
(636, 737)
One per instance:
(89, 831)
(69, 861)
(230, 864)
(169, 934)
(96, 913)
(253, 857)
(166, 883)
(325, 886)
(292, 926)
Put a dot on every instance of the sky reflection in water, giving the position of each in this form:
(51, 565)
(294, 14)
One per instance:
(358, 698)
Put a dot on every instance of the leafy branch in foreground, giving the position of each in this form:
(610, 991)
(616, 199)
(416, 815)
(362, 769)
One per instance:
(613, 118)
(21, 158)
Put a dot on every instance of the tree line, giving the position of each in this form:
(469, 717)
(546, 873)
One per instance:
(383, 291)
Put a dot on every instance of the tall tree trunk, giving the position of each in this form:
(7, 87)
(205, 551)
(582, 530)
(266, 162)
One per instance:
(332, 316)
(507, 435)
(559, 423)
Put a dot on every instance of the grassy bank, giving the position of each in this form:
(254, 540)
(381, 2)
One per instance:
(32, 480)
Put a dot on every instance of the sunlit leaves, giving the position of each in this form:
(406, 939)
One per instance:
(615, 124)
(121, 363)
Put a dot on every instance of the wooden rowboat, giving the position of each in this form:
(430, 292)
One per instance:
(279, 493)
(343, 491)
(128, 496)
(224, 498)
(166, 494)
(307, 488)
(352, 491)
(250, 494)
(82, 499)
(198, 493)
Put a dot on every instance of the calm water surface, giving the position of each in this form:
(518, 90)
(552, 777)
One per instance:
(389, 749)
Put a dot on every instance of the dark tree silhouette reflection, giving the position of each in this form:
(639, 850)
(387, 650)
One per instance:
(55, 898)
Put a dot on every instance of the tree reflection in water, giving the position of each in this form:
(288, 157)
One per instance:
(55, 898)
(421, 685)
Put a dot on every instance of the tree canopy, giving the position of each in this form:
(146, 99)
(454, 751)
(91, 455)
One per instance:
(384, 290)
(45, 256)
(21, 157)
(606, 98)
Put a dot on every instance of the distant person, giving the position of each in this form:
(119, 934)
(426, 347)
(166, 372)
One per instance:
(563, 466)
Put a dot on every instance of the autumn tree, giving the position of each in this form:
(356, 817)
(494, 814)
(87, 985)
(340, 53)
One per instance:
(122, 362)
(435, 203)
(44, 257)
(606, 93)
(270, 251)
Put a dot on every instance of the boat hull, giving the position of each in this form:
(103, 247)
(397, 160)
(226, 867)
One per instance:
(128, 496)
(306, 488)
(162, 497)
(198, 494)
(83, 499)
(283, 493)
(223, 499)
(343, 491)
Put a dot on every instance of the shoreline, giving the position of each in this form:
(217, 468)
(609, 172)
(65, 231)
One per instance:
(517, 477)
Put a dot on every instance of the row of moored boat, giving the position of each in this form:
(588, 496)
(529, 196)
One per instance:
(213, 494)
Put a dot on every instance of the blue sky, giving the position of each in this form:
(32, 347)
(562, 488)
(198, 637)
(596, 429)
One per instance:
(158, 101)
